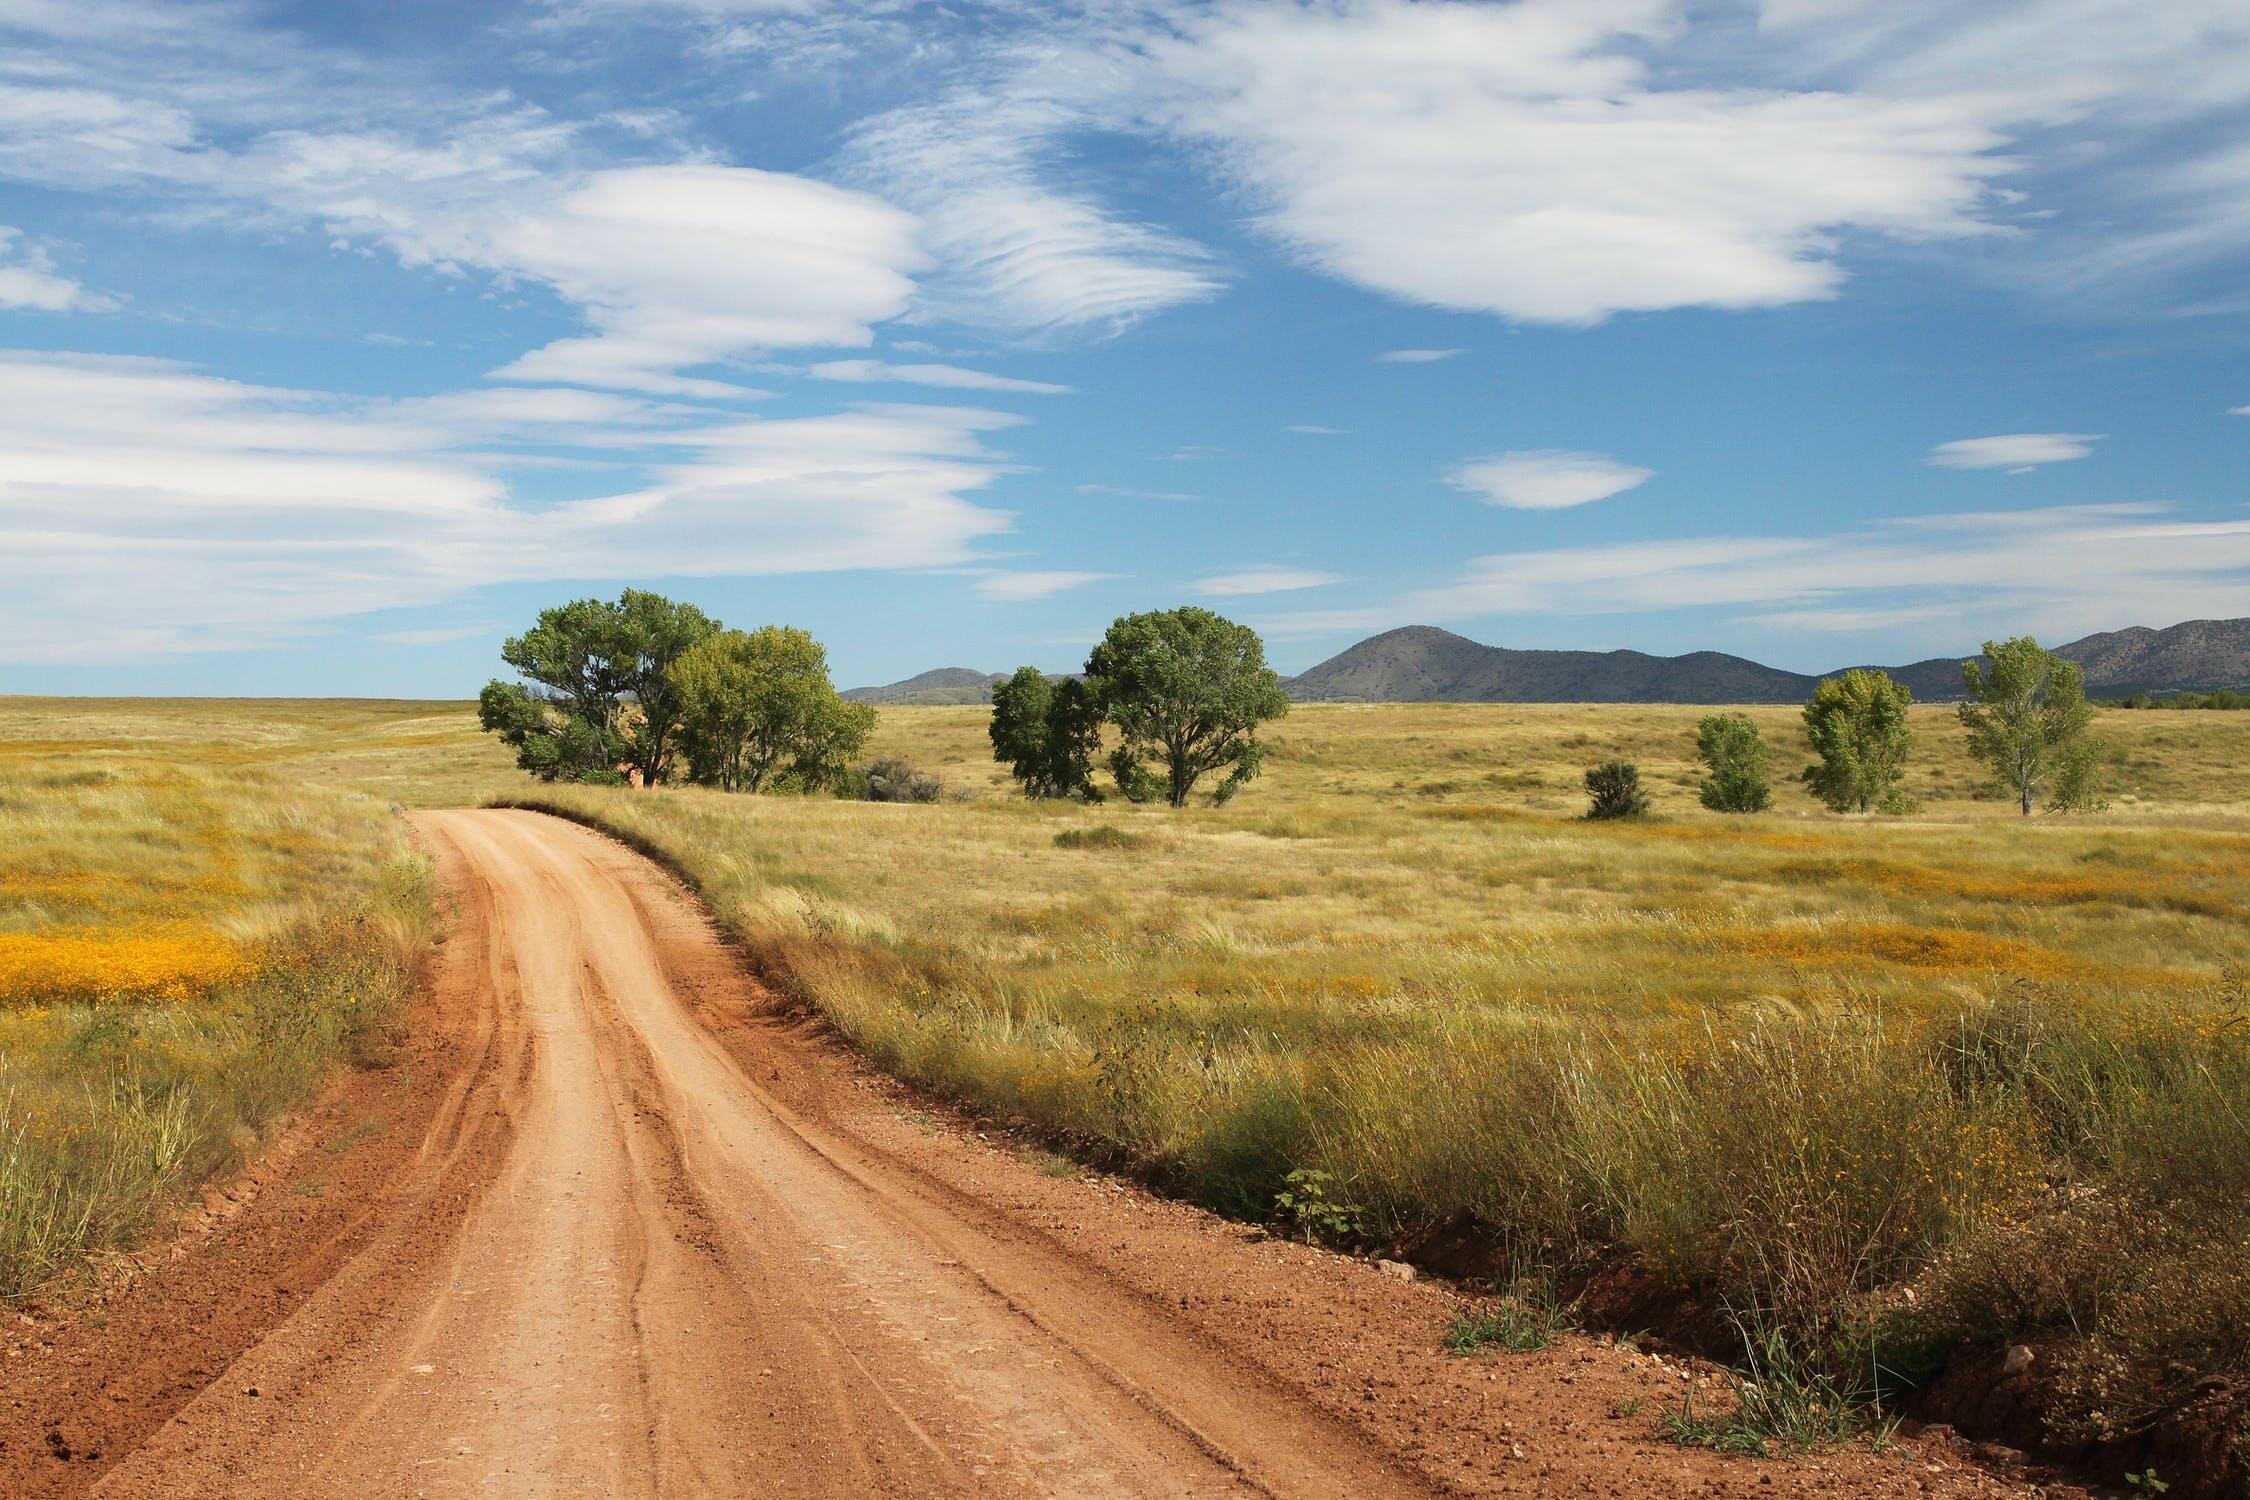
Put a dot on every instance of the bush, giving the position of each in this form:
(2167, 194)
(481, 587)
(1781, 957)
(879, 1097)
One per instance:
(893, 780)
(1101, 836)
(1615, 789)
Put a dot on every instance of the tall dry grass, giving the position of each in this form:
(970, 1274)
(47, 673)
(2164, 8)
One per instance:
(1789, 1066)
(184, 953)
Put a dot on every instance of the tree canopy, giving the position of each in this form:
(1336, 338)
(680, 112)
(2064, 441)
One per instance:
(1857, 724)
(757, 705)
(1047, 733)
(1731, 747)
(1186, 690)
(2027, 720)
(597, 703)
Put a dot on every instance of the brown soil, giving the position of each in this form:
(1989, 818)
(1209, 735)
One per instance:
(629, 1229)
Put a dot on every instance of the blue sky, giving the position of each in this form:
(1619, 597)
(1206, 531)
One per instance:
(336, 338)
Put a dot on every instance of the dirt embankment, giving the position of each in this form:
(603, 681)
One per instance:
(620, 1227)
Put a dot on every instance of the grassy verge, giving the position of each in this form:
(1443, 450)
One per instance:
(184, 953)
(1884, 1091)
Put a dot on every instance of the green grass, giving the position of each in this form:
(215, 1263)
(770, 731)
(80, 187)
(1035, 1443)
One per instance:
(1525, 1318)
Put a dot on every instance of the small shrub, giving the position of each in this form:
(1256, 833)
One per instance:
(1101, 836)
(1614, 788)
(893, 780)
(1309, 1206)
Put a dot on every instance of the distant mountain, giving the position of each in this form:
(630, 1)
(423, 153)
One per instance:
(1937, 680)
(1423, 664)
(929, 689)
(2197, 656)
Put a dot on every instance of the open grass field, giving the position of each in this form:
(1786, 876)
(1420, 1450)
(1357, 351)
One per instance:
(1792, 1067)
(1891, 1087)
(187, 944)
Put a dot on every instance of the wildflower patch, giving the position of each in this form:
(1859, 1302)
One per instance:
(143, 963)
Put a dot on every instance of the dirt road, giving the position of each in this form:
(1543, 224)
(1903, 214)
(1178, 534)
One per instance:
(675, 1286)
(658, 1242)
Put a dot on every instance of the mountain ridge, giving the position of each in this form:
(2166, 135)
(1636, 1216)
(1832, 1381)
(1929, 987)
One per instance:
(939, 686)
(1426, 664)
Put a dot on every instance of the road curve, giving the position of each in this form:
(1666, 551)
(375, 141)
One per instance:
(669, 1282)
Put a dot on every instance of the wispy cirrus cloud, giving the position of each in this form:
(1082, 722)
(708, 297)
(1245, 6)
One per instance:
(28, 280)
(1016, 586)
(1554, 161)
(950, 376)
(1264, 578)
(1546, 478)
(1128, 492)
(1415, 356)
(671, 266)
(2060, 572)
(2015, 451)
(148, 509)
(1524, 160)
(1018, 248)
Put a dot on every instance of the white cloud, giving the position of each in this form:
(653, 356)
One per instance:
(2015, 450)
(2127, 113)
(1264, 578)
(147, 509)
(706, 7)
(2238, 411)
(681, 266)
(1314, 429)
(672, 266)
(1014, 587)
(438, 635)
(1414, 356)
(1546, 479)
(953, 376)
(2059, 572)
(1017, 250)
(31, 283)
(1523, 160)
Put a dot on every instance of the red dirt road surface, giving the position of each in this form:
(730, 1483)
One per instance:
(653, 1237)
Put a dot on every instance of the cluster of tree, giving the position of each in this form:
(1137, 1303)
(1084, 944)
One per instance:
(2221, 699)
(632, 691)
(2026, 719)
(1182, 691)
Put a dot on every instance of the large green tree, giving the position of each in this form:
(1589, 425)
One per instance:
(2027, 720)
(1047, 733)
(1731, 747)
(1857, 724)
(1186, 690)
(758, 706)
(596, 702)
(653, 634)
